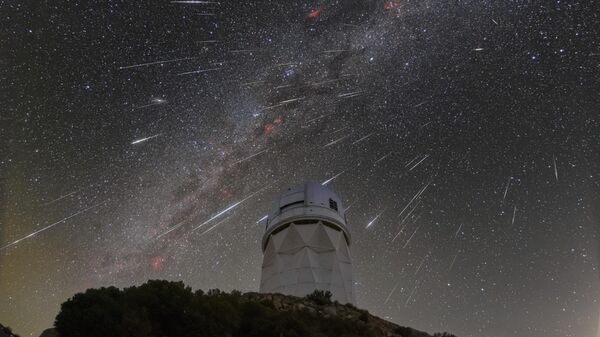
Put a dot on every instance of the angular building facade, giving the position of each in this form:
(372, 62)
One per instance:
(306, 245)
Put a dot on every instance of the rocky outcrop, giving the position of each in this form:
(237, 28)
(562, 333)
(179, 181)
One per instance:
(346, 311)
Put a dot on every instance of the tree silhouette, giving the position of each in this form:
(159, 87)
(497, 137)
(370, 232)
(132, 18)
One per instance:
(320, 297)
(165, 309)
(7, 331)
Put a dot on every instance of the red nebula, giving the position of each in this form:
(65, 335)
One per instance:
(391, 5)
(156, 262)
(314, 12)
(278, 120)
(268, 129)
(226, 194)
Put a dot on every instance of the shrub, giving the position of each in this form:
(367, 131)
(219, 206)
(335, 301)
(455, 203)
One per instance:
(320, 297)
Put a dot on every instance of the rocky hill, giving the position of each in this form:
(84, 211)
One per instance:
(319, 305)
(162, 308)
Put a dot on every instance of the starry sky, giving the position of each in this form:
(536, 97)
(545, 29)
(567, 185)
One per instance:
(145, 139)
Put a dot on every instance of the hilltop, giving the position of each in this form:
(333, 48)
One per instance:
(162, 308)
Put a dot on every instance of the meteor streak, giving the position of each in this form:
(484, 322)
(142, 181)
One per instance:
(413, 234)
(156, 101)
(242, 50)
(141, 140)
(156, 62)
(457, 231)
(271, 107)
(50, 226)
(382, 158)
(555, 169)
(347, 208)
(410, 162)
(211, 228)
(410, 212)
(374, 219)
(424, 125)
(349, 94)
(197, 2)
(506, 189)
(262, 219)
(421, 264)
(406, 217)
(286, 64)
(415, 197)
(199, 71)
(282, 103)
(412, 293)
(391, 292)
(59, 198)
(320, 117)
(335, 141)
(221, 213)
(232, 206)
(363, 138)
(179, 224)
(417, 164)
(250, 156)
(291, 100)
(341, 129)
(453, 260)
(332, 178)
(513, 217)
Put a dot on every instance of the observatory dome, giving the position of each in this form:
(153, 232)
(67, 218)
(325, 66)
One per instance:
(306, 244)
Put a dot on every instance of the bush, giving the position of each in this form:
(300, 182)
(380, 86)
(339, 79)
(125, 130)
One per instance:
(320, 297)
(364, 316)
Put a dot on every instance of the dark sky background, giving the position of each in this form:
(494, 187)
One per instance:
(144, 139)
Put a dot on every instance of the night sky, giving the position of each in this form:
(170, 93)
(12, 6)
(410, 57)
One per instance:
(145, 139)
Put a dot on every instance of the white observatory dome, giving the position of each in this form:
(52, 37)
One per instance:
(306, 244)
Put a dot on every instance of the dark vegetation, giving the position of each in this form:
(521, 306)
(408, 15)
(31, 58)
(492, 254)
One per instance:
(7, 331)
(410, 332)
(161, 308)
(320, 297)
(164, 309)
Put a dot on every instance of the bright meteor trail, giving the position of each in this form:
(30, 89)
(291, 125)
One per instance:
(156, 62)
(250, 156)
(141, 140)
(332, 178)
(374, 219)
(50, 226)
(232, 206)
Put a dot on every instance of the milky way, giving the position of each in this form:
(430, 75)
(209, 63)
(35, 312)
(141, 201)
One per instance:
(145, 140)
